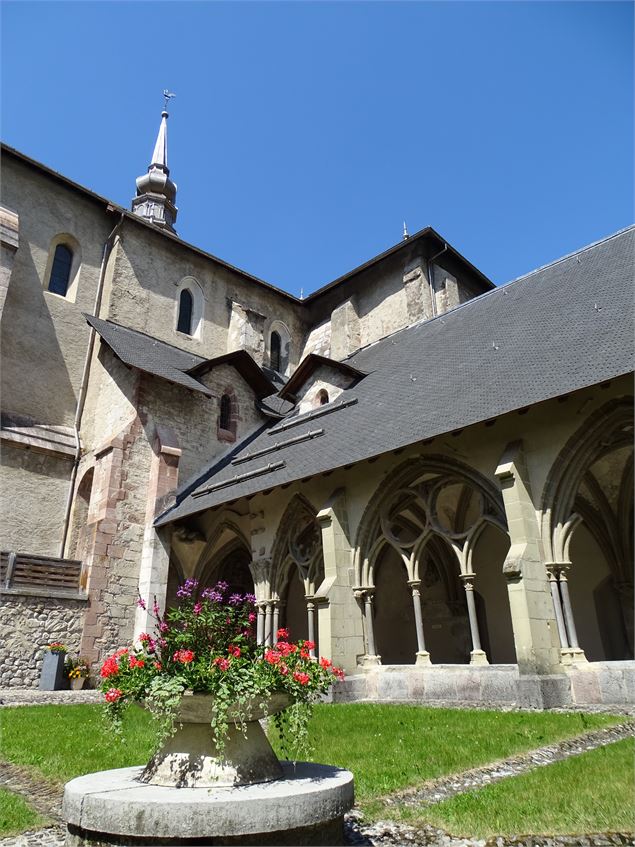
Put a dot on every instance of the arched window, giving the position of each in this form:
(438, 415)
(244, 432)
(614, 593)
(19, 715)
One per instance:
(275, 349)
(322, 397)
(225, 419)
(186, 303)
(61, 270)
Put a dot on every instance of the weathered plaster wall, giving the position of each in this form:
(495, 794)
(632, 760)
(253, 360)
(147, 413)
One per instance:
(27, 625)
(111, 398)
(149, 267)
(33, 491)
(48, 335)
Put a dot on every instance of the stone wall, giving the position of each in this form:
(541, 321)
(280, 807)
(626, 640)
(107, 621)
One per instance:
(27, 625)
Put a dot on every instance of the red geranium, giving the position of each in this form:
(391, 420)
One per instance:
(109, 667)
(184, 656)
(301, 677)
(112, 695)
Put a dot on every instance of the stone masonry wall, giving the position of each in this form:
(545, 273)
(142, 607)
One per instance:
(27, 625)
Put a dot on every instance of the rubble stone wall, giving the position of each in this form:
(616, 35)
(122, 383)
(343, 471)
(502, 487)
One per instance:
(27, 625)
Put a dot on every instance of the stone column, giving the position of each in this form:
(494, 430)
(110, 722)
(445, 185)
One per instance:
(366, 597)
(478, 655)
(532, 612)
(310, 614)
(575, 652)
(339, 618)
(423, 657)
(557, 604)
(268, 633)
(276, 619)
(260, 623)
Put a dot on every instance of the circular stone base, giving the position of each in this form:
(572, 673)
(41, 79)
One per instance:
(306, 806)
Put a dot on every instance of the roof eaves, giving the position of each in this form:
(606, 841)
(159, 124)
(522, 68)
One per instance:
(310, 364)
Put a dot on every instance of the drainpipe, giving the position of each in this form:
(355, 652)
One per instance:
(81, 397)
(430, 281)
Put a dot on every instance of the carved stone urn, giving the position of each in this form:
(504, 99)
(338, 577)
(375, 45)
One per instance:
(191, 759)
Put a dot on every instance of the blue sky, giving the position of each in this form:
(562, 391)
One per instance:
(303, 133)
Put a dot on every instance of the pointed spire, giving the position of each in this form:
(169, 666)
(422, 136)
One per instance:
(156, 192)
(406, 234)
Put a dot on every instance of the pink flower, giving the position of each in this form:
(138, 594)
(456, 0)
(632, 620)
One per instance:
(158, 666)
(284, 670)
(113, 694)
(338, 672)
(234, 649)
(141, 603)
(197, 608)
(222, 664)
(144, 637)
(252, 617)
(309, 645)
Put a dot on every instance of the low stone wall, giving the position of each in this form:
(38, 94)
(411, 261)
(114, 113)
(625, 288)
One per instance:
(598, 684)
(28, 622)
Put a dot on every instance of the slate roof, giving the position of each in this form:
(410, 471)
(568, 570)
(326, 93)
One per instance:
(559, 329)
(173, 364)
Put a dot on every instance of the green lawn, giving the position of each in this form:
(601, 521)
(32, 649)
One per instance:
(593, 792)
(386, 747)
(15, 815)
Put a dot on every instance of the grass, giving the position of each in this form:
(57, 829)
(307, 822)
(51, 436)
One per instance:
(386, 747)
(589, 793)
(16, 815)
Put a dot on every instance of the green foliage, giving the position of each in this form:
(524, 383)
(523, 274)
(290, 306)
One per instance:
(16, 815)
(592, 792)
(208, 646)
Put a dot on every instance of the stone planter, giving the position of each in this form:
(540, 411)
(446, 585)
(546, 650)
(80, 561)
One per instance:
(190, 758)
(52, 677)
(78, 684)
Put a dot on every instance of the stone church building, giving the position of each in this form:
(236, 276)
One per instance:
(429, 476)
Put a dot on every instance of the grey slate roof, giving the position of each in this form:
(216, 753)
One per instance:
(149, 354)
(561, 328)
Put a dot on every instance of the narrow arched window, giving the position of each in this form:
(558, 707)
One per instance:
(61, 270)
(184, 323)
(275, 346)
(322, 397)
(225, 421)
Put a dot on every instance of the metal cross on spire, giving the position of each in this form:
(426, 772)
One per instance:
(168, 95)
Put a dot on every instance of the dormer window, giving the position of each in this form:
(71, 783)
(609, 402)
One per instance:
(275, 348)
(186, 305)
(61, 270)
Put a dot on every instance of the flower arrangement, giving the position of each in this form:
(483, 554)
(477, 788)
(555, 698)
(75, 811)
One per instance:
(208, 646)
(77, 668)
(56, 647)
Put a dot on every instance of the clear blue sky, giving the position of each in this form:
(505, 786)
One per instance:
(304, 133)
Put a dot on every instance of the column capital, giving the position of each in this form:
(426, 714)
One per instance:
(468, 581)
(414, 583)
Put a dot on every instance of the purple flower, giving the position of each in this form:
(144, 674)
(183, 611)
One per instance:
(250, 598)
(163, 627)
(235, 600)
(222, 586)
(212, 594)
(187, 588)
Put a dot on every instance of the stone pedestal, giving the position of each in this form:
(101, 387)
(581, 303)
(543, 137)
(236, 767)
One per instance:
(305, 806)
(52, 677)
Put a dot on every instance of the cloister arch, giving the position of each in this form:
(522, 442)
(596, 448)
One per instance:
(297, 570)
(587, 531)
(427, 524)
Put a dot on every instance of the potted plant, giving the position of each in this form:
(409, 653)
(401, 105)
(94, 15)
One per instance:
(208, 683)
(77, 670)
(52, 676)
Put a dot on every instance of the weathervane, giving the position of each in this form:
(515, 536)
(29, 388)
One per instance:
(168, 95)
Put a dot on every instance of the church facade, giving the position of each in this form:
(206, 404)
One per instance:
(428, 476)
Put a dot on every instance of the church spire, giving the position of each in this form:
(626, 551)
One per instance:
(156, 193)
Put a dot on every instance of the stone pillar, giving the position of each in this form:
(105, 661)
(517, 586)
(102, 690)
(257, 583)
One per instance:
(533, 617)
(478, 655)
(423, 657)
(155, 551)
(260, 623)
(268, 622)
(276, 618)
(576, 653)
(370, 657)
(310, 615)
(557, 604)
(339, 617)
(9, 230)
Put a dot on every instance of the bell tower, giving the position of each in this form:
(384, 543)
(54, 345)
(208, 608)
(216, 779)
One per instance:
(156, 192)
